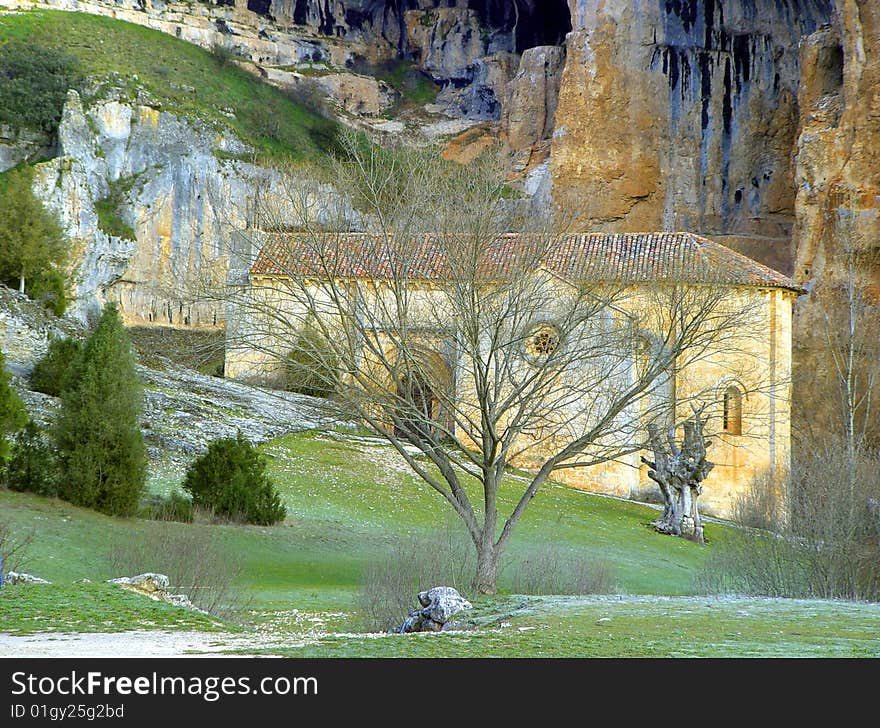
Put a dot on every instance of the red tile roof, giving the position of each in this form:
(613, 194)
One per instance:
(625, 257)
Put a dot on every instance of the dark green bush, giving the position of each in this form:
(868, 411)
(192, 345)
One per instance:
(230, 480)
(173, 507)
(51, 373)
(12, 413)
(100, 445)
(48, 288)
(33, 464)
(34, 81)
(33, 246)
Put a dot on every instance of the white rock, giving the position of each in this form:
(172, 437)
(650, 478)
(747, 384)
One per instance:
(14, 578)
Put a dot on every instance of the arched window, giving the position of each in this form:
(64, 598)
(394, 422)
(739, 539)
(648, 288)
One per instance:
(732, 411)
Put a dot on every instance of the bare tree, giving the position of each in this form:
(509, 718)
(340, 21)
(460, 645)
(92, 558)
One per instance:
(448, 334)
(839, 382)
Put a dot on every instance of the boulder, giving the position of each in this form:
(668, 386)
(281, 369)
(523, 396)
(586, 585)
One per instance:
(439, 605)
(147, 582)
(155, 586)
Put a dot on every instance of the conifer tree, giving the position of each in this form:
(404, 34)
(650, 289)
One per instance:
(100, 445)
(33, 247)
(12, 413)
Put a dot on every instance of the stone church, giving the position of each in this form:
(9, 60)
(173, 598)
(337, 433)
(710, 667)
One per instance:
(746, 391)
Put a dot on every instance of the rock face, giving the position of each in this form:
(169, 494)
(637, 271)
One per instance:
(21, 146)
(178, 186)
(466, 46)
(530, 107)
(838, 149)
(439, 605)
(682, 115)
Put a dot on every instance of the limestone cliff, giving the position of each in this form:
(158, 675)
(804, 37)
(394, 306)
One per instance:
(746, 120)
(682, 114)
(838, 148)
(173, 181)
(470, 48)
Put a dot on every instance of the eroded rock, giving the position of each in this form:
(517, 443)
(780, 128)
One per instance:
(439, 605)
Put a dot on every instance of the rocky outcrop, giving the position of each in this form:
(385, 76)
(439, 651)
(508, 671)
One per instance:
(17, 146)
(683, 115)
(530, 106)
(14, 578)
(156, 587)
(838, 149)
(179, 186)
(439, 606)
(183, 410)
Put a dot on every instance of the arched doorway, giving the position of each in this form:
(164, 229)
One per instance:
(419, 406)
(423, 383)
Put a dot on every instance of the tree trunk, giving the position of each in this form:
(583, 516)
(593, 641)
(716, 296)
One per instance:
(21, 284)
(680, 471)
(487, 568)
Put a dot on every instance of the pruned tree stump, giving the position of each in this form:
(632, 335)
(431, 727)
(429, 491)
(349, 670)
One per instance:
(680, 472)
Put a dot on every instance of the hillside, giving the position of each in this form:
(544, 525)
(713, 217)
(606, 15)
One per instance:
(182, 78)
(351, 503)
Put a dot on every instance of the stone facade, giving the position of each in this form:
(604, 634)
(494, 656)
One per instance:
(755, 362)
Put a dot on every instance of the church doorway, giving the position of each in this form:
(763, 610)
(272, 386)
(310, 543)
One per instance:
(418, 408)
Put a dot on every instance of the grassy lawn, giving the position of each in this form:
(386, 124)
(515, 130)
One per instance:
(348, 499)
(635, 627)
(184, 77)
(90, 608)
(347, 502)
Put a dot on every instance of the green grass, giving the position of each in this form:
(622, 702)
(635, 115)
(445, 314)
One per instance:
(348, 500)
(185, 78)
(633, 627)
(34, 608)
(414, 86)
(370, 490)
(111, 222)
(345, 506)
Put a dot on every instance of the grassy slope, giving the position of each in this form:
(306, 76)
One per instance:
(346, 502)
(186, 78)
(89, 607)
(344, 505)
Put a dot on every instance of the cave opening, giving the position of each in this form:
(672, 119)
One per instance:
(533, 22)
(830, 69)
(544, 23)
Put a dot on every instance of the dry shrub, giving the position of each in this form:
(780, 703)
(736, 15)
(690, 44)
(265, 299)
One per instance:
(551, 568)
(14, 547)
(822, 540)
(415, 563)
(194, 561)
(758, 563)
(412, 564)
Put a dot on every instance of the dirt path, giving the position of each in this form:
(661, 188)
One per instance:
(136, 643)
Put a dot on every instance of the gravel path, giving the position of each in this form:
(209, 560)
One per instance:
(136, 643)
